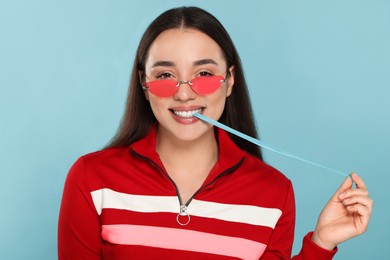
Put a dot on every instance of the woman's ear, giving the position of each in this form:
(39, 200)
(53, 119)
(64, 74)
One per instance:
(141, 78)
(230, 81)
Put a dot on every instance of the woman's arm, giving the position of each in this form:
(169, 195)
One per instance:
(78, 228)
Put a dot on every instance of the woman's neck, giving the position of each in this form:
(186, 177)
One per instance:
(177, 152)
(188, 163)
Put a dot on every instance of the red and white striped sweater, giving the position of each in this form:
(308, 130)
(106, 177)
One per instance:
(120, 203)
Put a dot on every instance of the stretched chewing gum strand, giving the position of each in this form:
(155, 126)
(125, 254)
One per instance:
(265, 145)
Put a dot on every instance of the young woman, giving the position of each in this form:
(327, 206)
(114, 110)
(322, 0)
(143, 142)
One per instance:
(170, 186)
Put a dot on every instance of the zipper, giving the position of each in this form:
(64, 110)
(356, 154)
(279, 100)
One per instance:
(183, 218)
(227, 171)
(183, 208)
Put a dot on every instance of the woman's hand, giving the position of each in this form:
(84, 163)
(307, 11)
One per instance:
(345, 216)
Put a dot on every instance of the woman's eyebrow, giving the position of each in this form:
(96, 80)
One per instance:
(204, 62)
(163, 63)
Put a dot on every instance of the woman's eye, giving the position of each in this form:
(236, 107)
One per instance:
(205, 73)
(165, 75)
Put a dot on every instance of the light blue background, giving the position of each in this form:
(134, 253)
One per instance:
(319, 79)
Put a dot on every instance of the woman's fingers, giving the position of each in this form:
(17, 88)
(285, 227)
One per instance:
(359, 181)
(358, 203)
(360, 195)
(357, 198)
(347, 184)
(361, 217)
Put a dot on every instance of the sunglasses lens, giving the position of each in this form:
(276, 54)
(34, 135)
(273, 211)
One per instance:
(207, 84)
(162, 88)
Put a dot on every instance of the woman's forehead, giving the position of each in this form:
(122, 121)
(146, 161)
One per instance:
(184, 46)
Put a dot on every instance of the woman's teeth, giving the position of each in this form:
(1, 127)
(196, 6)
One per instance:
(186, 114)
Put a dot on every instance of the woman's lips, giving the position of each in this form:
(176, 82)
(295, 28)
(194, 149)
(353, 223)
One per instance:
(186, 113)
(186, 116)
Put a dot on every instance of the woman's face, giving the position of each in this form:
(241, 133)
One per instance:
(184, 54)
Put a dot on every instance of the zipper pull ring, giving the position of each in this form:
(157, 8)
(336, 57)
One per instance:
(183, 215)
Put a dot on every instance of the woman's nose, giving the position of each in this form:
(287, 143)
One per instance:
(184, 91)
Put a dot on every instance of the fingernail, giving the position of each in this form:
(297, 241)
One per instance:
(342, 195)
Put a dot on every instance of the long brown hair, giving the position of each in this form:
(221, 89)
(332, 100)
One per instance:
(138, 117)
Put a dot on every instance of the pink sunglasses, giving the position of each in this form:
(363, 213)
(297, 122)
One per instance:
(201, 85)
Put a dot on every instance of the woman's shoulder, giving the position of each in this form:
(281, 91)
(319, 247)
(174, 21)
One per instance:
(96, 167)
(105, 154)
(101, 159)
